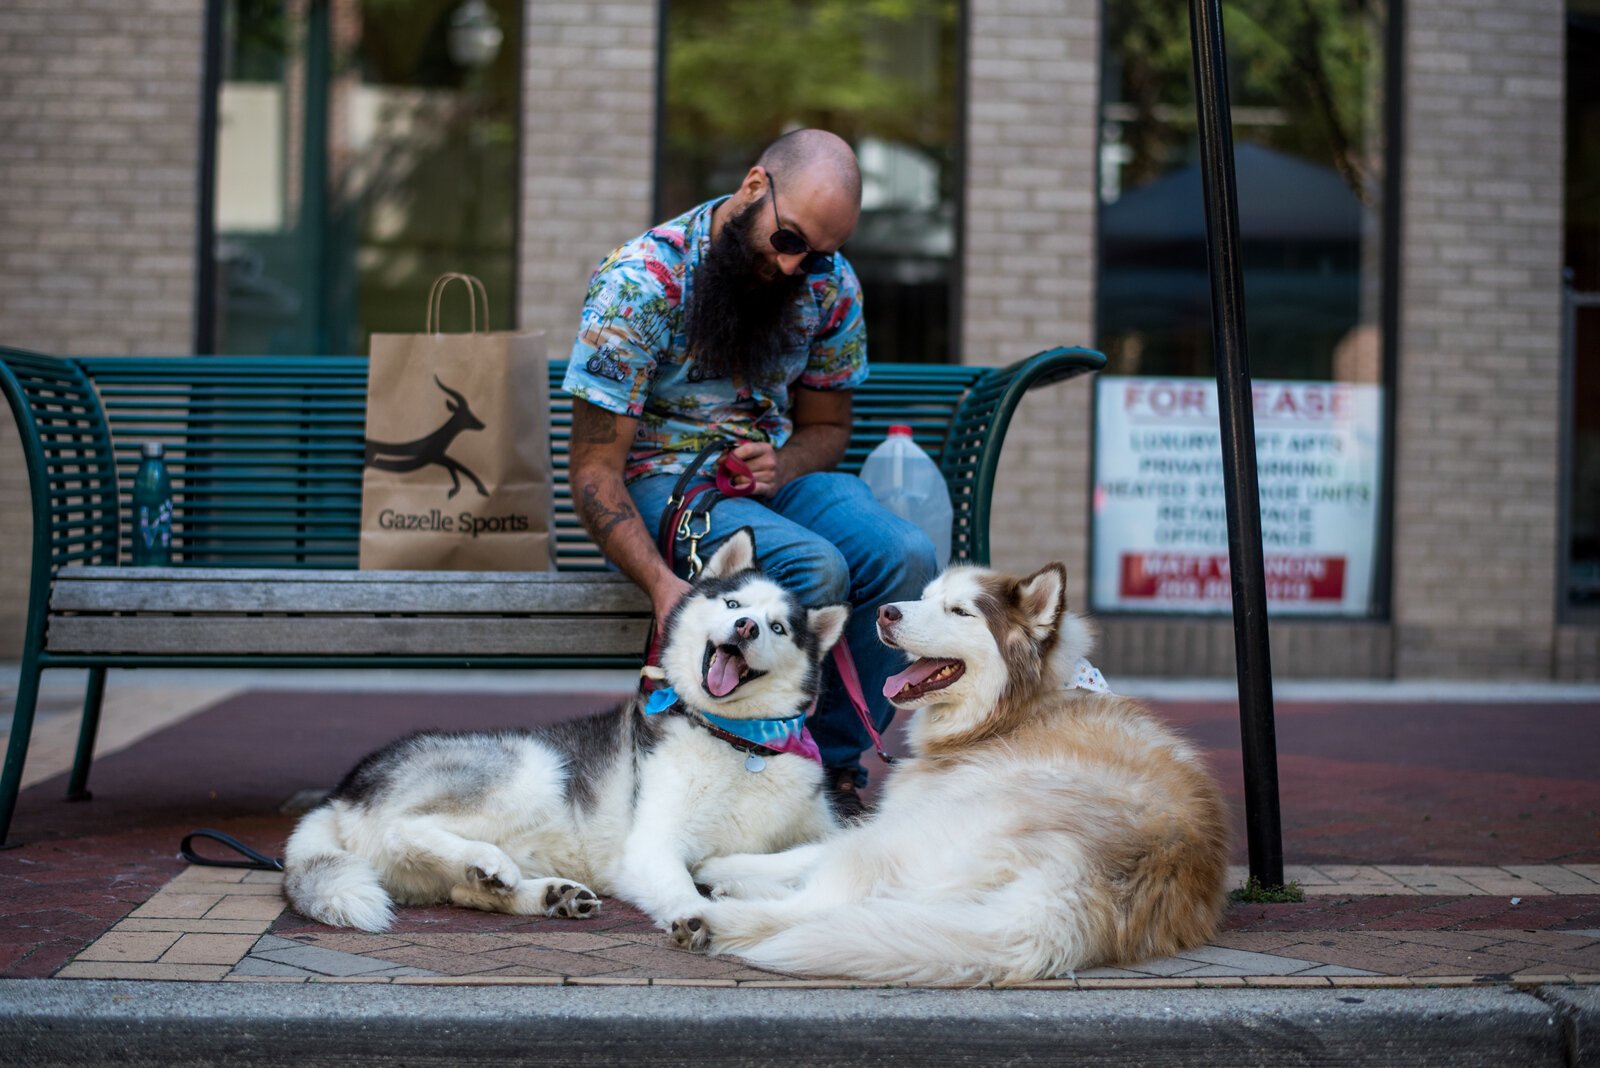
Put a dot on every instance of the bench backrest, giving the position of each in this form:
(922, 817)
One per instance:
(266, 453)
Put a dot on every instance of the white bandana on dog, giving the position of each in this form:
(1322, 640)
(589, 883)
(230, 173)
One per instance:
(1085, 676)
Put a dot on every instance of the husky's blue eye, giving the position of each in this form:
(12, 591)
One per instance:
(777, 628)
(731, 603)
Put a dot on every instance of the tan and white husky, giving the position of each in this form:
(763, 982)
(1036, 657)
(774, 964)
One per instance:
(1036, 829)
(625, 802)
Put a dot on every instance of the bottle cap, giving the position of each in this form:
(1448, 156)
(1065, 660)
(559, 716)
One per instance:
(153, 450)
(900, 429)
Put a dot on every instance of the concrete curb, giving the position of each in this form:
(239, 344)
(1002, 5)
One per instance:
(1580, 1010)
(55, 1022)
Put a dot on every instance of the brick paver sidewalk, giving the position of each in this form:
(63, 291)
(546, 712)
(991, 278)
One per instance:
(1437, 845)
(1360, 926)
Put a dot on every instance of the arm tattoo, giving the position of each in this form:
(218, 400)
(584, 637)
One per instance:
(592, 425)
(601, 518)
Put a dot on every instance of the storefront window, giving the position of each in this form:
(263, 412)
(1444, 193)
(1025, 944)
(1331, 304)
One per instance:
(880, 73)
(363, 148)
(1306, 85)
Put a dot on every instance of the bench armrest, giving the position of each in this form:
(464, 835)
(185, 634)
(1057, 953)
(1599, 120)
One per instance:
(66, 449)
(971, 459)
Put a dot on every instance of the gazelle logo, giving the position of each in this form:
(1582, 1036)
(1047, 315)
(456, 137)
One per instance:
(433, 449)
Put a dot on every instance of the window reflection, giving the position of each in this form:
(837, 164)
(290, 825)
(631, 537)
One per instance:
(739, 73)
(363, 148)
(1305, 84)
(1582, 307)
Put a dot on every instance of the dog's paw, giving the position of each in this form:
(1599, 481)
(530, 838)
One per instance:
(692, 934)
(570, 901)
(493, 872)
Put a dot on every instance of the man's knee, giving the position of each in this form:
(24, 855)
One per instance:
(813, 570)
(897, 564)
(906, 562)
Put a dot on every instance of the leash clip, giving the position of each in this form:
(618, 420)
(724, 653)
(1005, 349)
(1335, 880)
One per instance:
(685, 530)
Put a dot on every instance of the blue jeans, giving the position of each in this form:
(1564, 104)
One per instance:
(826, 539)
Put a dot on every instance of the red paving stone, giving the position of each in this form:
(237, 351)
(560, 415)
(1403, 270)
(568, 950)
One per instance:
(1367, 783)
(1415, 913)
(1361, 784)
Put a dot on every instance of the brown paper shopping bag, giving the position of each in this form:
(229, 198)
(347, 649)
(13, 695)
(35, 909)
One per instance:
(457, 471)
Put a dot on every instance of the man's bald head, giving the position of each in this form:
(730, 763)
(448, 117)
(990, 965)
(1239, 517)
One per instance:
(815, 153)
(806, 182)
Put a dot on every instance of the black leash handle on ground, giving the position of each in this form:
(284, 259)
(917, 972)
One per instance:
(256, 861)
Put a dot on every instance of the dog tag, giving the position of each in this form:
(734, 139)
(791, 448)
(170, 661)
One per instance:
(753, 763)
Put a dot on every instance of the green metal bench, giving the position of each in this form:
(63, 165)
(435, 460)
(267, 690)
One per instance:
(266, 458)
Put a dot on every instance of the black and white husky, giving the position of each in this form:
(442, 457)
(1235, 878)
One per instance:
(627, 802)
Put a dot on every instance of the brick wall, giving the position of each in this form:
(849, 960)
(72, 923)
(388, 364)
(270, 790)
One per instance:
(99, 110)
(1033, 92)
(588, 149)
(1477, 440)
(99, 105)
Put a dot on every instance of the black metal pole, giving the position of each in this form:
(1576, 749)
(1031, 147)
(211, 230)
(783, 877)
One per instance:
(1251, 650)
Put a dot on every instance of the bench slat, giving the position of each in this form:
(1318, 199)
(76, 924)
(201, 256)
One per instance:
(233, 590)
(350, 636)
(90, 573)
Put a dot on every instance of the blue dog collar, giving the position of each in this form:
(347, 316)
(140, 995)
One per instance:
(785, 735)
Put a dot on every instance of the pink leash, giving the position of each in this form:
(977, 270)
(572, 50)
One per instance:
(852, 686)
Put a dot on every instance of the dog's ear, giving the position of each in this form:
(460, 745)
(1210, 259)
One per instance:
(827, 624)
(1042, 597)
(733, 555)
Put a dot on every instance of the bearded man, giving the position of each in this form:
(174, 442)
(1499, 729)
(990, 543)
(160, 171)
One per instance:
(739, 324)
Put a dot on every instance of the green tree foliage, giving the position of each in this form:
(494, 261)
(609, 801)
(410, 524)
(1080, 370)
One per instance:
(741, 72)
(1314, 62)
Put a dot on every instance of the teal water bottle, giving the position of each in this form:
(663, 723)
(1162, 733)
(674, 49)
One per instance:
(152, 509)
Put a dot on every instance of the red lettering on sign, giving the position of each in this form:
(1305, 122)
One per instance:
(1164, 398)
(1301, 402)
(1188, 577)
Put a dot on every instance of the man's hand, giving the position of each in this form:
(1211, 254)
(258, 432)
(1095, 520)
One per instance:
(664, 596)
(766, 468)
(821, 434)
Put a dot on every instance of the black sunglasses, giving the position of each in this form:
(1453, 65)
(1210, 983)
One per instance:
(789, 243)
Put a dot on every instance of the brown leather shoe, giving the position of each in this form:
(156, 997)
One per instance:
(845, 798)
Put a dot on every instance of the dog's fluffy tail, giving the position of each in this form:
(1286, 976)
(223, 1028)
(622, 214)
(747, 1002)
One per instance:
(325, 881)
(892, 940)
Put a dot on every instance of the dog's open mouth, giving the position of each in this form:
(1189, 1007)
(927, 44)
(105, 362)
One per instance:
(724, 669)
(923, 677)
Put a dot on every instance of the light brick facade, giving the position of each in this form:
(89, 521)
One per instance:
(588, 150)
(99, 150)
(99, 111)
(1029, 257)
(1477, 440)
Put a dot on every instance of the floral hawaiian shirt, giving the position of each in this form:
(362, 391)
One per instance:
(630, 354)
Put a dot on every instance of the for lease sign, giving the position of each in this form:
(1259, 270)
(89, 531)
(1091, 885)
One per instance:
(1160, 521)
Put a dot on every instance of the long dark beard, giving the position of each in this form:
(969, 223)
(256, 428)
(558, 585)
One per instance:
(735, 319)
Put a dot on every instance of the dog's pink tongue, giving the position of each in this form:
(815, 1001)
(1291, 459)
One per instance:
(910, 676)
(723, 673)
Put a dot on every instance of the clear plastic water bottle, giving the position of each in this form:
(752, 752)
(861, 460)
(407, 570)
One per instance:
(152, 509)
(908, 483)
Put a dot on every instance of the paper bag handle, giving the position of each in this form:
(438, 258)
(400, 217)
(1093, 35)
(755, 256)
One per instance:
(475, 292)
